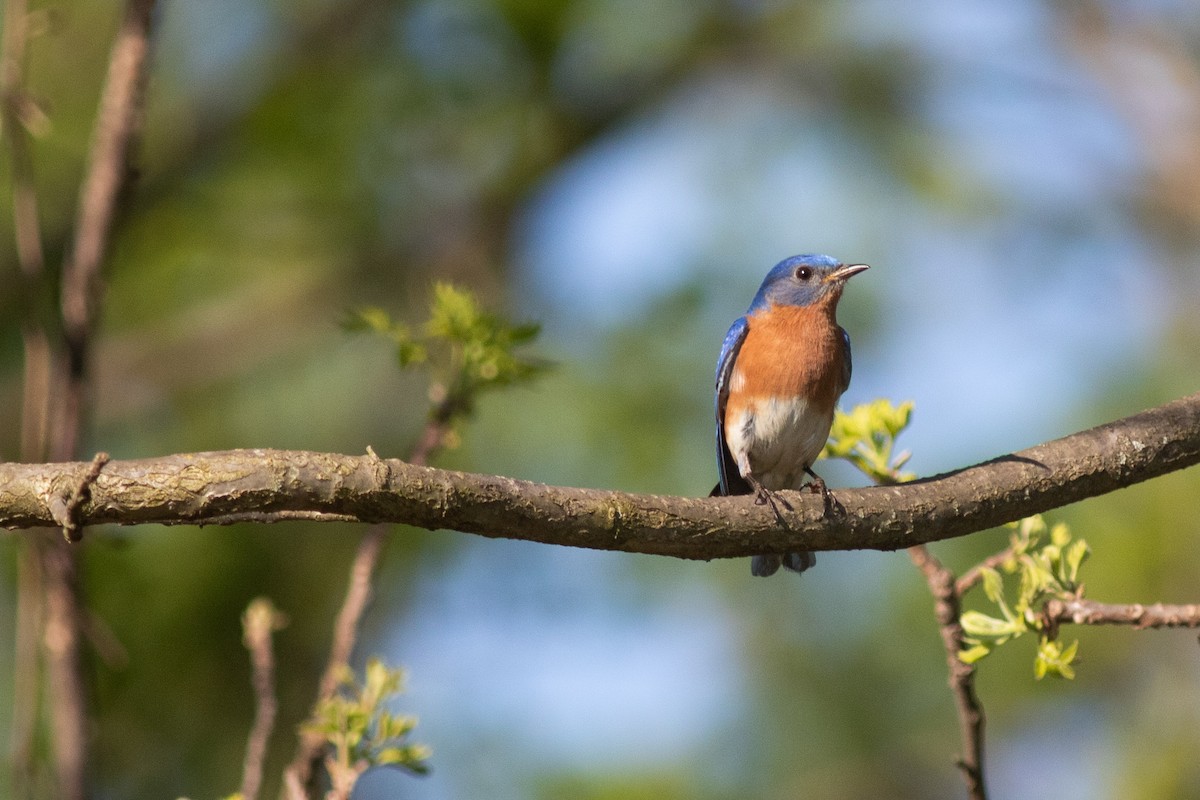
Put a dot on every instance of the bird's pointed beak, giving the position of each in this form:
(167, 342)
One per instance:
(846, 271)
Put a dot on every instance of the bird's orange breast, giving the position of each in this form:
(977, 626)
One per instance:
(791, 351)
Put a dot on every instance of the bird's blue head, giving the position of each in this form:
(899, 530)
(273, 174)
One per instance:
(803, 281)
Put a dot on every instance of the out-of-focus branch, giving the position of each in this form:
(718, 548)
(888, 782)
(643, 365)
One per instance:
(62, 639)
(106, 180)
(30, 608)
(26, 684)
(14, 112)
(1160, 102)
(14, 105)
(259, 622)
(947, 609)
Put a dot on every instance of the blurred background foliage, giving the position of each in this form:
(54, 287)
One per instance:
(1024, 177)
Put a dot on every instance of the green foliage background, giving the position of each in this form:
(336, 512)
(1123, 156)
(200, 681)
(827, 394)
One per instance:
(303, 159)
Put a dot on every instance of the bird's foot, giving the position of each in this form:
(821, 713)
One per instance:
(817, 486)
(764, 496)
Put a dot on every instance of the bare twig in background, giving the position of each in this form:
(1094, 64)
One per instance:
(974, 575)
(1152, 75)
(62, 640)
(14, 111)
(947, 608)
(30, 607)
(105, 181)
(298, 777)
(259, 622)
(26, 217)
(1090, 612)
(26, 683)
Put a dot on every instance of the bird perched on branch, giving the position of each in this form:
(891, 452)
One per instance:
(782, 368)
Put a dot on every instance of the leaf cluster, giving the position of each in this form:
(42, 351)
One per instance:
(866, 437)
(1043, 562)
(469, 350)
(360, 729)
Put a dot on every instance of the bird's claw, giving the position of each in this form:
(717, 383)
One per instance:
(764, 496)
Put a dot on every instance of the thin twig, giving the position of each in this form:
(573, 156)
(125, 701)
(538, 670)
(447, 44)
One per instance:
(27, 231)
(26, 672)
(947, 608)
(27, 227)
(975, 574)
(67, 509)
(259, 622)
(1089, 612)
(62, 640)
(106, 182)
(310, 752)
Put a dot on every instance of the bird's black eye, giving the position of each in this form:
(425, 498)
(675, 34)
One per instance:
(803, 273)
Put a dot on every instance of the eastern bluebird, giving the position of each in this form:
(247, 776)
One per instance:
(782, 368)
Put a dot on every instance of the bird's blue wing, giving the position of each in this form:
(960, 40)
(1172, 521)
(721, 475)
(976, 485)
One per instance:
(731, 481)
(847, 362)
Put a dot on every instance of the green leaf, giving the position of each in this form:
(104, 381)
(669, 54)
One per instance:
(370, 318)
(393, 727)
(411, 757)
(866, 437)
(993, 584)
(455, 314)
(973, 654)
(409, 353)
(1077, 553)
(978, 624)
(1053, 659)
(524, 333)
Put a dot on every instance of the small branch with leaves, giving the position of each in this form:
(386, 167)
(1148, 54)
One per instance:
(472, 351)
(1042, 560)
(362, 732)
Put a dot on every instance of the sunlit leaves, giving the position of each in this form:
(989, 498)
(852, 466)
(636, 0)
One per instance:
(360, 729)
(1044, 564)
(1041, 563)
(468, 350)
(866, 437)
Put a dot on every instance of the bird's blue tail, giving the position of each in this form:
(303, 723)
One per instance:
(767, 565)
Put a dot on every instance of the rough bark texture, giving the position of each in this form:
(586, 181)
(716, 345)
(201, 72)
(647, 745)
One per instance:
(277, 485)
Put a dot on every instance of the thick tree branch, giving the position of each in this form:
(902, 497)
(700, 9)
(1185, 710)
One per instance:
(270, 484)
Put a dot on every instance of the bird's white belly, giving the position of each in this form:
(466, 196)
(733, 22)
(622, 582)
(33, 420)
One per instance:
(777, 438)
